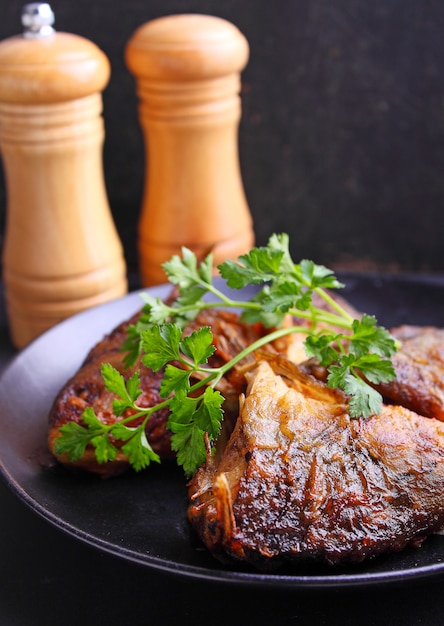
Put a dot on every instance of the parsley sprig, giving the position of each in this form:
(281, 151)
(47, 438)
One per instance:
(355, 352)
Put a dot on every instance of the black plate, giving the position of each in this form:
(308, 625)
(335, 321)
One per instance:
(142, 517)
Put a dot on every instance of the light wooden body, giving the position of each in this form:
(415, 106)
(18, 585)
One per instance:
(61, 251)
(187, 70)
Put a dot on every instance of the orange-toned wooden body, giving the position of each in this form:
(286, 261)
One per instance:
(61, 251)
(187, 70)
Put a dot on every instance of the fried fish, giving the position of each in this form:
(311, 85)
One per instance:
(300, 480)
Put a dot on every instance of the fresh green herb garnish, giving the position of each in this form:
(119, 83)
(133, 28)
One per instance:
(353, 351)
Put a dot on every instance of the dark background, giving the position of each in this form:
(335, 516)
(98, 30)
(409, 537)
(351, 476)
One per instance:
(342, 135)
(342, 146)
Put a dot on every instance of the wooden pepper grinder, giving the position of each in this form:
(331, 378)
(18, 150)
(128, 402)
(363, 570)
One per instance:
(187, 71)
(61, 251)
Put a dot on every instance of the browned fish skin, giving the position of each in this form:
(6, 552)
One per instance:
(86, 388)
(419, 367)
(300, 480)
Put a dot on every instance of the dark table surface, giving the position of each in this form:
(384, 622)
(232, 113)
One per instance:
(48, 577)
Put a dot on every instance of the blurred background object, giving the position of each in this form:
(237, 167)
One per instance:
(61, 251)
(342, 132)
(187, 71)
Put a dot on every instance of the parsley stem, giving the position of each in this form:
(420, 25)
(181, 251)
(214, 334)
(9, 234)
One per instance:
(334, 305)
(141, 411)
(341, 318)
(259, 343)
(317, 315)
(219, 294)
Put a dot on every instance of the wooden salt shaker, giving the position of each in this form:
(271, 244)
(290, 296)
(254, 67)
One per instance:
(61, 251)
(187, 71)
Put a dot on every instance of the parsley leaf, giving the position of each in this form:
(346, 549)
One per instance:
(72, 441)
(140, 453)
(190, 419)
(199, 345)
(161, 344)
(363, 399)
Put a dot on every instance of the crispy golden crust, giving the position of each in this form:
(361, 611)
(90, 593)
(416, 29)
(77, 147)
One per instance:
(301, 480)
(419, 367)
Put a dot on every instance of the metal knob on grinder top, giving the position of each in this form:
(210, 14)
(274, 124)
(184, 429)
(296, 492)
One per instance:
(37, 20)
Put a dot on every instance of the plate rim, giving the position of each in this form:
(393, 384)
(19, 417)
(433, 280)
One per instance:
(230, 576)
